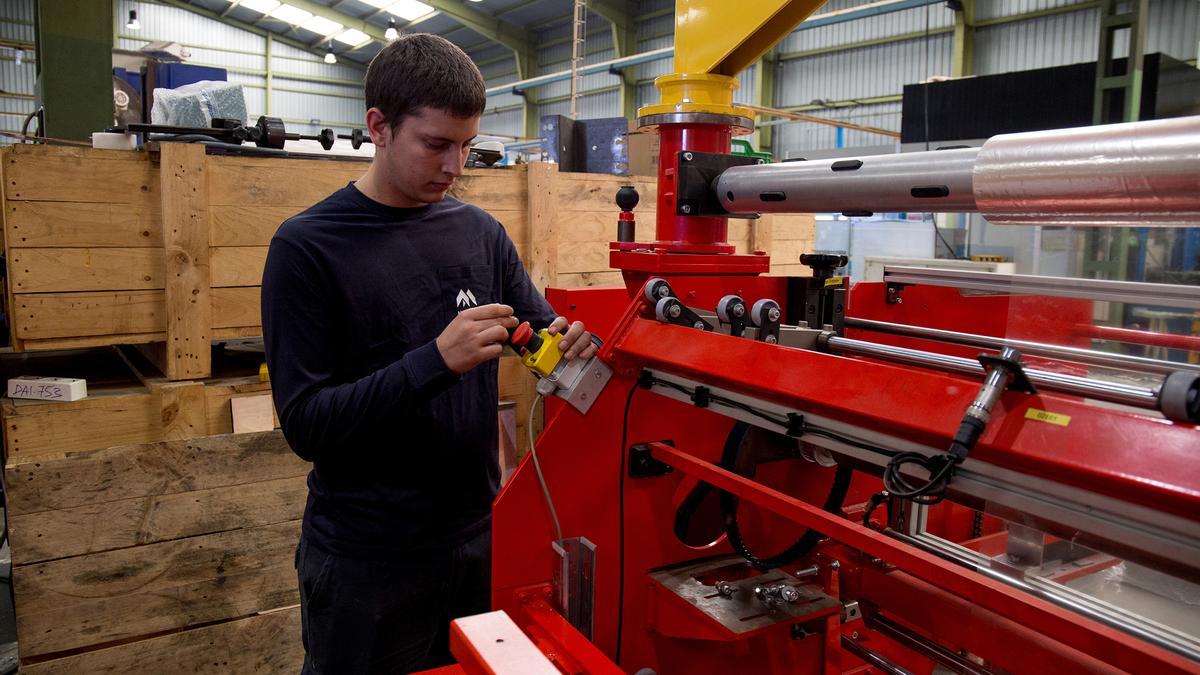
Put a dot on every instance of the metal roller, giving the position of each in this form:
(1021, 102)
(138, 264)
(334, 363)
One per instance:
(938, 180)
(1136, 174)
(1141, 173)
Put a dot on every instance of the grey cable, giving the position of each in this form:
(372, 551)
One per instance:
(538, 467)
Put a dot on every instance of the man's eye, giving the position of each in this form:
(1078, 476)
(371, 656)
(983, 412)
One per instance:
(437, 146)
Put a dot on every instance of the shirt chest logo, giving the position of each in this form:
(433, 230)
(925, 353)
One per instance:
(465, 299)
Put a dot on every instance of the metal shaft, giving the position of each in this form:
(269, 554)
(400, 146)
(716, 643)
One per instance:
(1135, 174)
(938, 180)
(1077, 354)
(1140, 397)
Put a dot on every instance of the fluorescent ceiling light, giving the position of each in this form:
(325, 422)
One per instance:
(410, 10)
(379, 4)
(261, 6)
(352, 37)
(292, 15)
(322, 26)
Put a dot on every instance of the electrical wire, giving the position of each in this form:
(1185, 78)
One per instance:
(538, 468)
(621, 519)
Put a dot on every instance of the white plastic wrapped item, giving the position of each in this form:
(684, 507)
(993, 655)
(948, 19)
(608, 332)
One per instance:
(197, 104)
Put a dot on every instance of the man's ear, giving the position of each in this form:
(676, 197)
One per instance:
(381, 132)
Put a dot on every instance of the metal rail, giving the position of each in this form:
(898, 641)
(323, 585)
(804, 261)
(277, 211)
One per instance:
(1140, 397)
(1062, 287)
(1077, 354)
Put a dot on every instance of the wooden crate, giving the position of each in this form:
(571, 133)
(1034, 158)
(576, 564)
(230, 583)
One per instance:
(166, 557)
(128, 402)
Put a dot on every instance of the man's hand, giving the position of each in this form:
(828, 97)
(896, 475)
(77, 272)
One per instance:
(576, 341)
(475, 335)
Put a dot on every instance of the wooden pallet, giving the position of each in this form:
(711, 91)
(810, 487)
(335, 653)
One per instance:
(174, 556)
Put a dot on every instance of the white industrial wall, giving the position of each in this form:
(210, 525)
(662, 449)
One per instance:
(16, 81)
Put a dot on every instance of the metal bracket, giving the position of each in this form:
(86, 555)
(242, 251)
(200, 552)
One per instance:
(672, 310)
(1020, 381)
(643, 465)
(695, 173)
(574, 581)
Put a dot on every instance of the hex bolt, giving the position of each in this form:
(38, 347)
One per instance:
(674, 311)
(687, 156)
(739, 310)
(726, 589)
(771, 339)
(686, 208)
(698, 325)
(663, 290)
(789, 593)
(773, 314)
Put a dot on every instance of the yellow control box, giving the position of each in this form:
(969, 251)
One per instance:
(546, 358)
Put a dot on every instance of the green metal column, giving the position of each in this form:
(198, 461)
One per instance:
(963, 59)
(527, 68)
(764, 96)
(1118, 99)
(270, 76)
(74, 66)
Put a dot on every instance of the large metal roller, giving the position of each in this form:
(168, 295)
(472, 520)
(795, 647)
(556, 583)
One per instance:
(938, 180)
(1142, 173)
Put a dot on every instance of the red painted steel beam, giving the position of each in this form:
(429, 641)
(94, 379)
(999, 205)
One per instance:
(1072, 630)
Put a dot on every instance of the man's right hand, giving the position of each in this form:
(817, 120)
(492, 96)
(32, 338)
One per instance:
(475, 335)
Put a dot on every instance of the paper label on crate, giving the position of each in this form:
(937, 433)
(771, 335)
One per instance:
(48, 388)
(1048, 417)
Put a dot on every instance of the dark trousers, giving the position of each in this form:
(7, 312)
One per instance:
(370, 616)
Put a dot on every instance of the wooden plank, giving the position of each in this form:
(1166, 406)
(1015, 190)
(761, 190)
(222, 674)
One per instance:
(793, 226)
(236, 181)
(128, 178)
(53, 224)
(37, 433)
(579, 257)
(182, 410)
(117, 595)
(264, 643)
(14, 339)
(762, 233)
(600, 226)
(501, 189)
(94, 528)
(237, 306)
(542, 262)
(252, 413)
(147, 469)
(598, 192)
(787, 252)
(70, 315)
(236, 332)
(238, 265)
(56, 270)
(583, 279)
(91, 341)
(247, 225)
(185, 199)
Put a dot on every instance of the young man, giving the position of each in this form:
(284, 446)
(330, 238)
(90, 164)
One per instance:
(384, 309)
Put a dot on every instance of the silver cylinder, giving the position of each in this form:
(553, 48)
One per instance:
(1115, 392)
(1077, 354)
(1141, 173)
(938, 180)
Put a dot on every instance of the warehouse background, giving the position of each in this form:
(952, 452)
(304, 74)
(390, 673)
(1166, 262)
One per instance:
(851, 70)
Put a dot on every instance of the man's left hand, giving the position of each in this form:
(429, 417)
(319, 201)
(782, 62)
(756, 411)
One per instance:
(576, 341)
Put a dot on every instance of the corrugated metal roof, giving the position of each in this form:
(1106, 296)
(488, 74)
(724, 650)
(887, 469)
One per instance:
(909, 21)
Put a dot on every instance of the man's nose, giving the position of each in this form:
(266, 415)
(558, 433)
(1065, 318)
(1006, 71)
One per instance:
(452, 162)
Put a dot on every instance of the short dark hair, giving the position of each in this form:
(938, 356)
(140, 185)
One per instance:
(420, 70)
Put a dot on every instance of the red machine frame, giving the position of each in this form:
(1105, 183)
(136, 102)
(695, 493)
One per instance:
(583, 457)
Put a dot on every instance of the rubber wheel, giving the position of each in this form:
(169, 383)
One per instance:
(1179, 398)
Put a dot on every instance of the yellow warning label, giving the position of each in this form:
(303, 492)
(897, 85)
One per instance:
(1049, 417)
(834, 281)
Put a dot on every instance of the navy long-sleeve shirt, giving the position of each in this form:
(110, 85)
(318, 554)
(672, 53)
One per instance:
(354, 294)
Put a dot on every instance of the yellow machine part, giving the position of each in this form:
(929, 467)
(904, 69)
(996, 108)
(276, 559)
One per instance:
(545, 359)
(714, 41)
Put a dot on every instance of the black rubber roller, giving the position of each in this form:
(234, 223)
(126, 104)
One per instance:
(1179, 397)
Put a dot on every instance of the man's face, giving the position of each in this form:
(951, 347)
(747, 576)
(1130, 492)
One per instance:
(425, 153)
